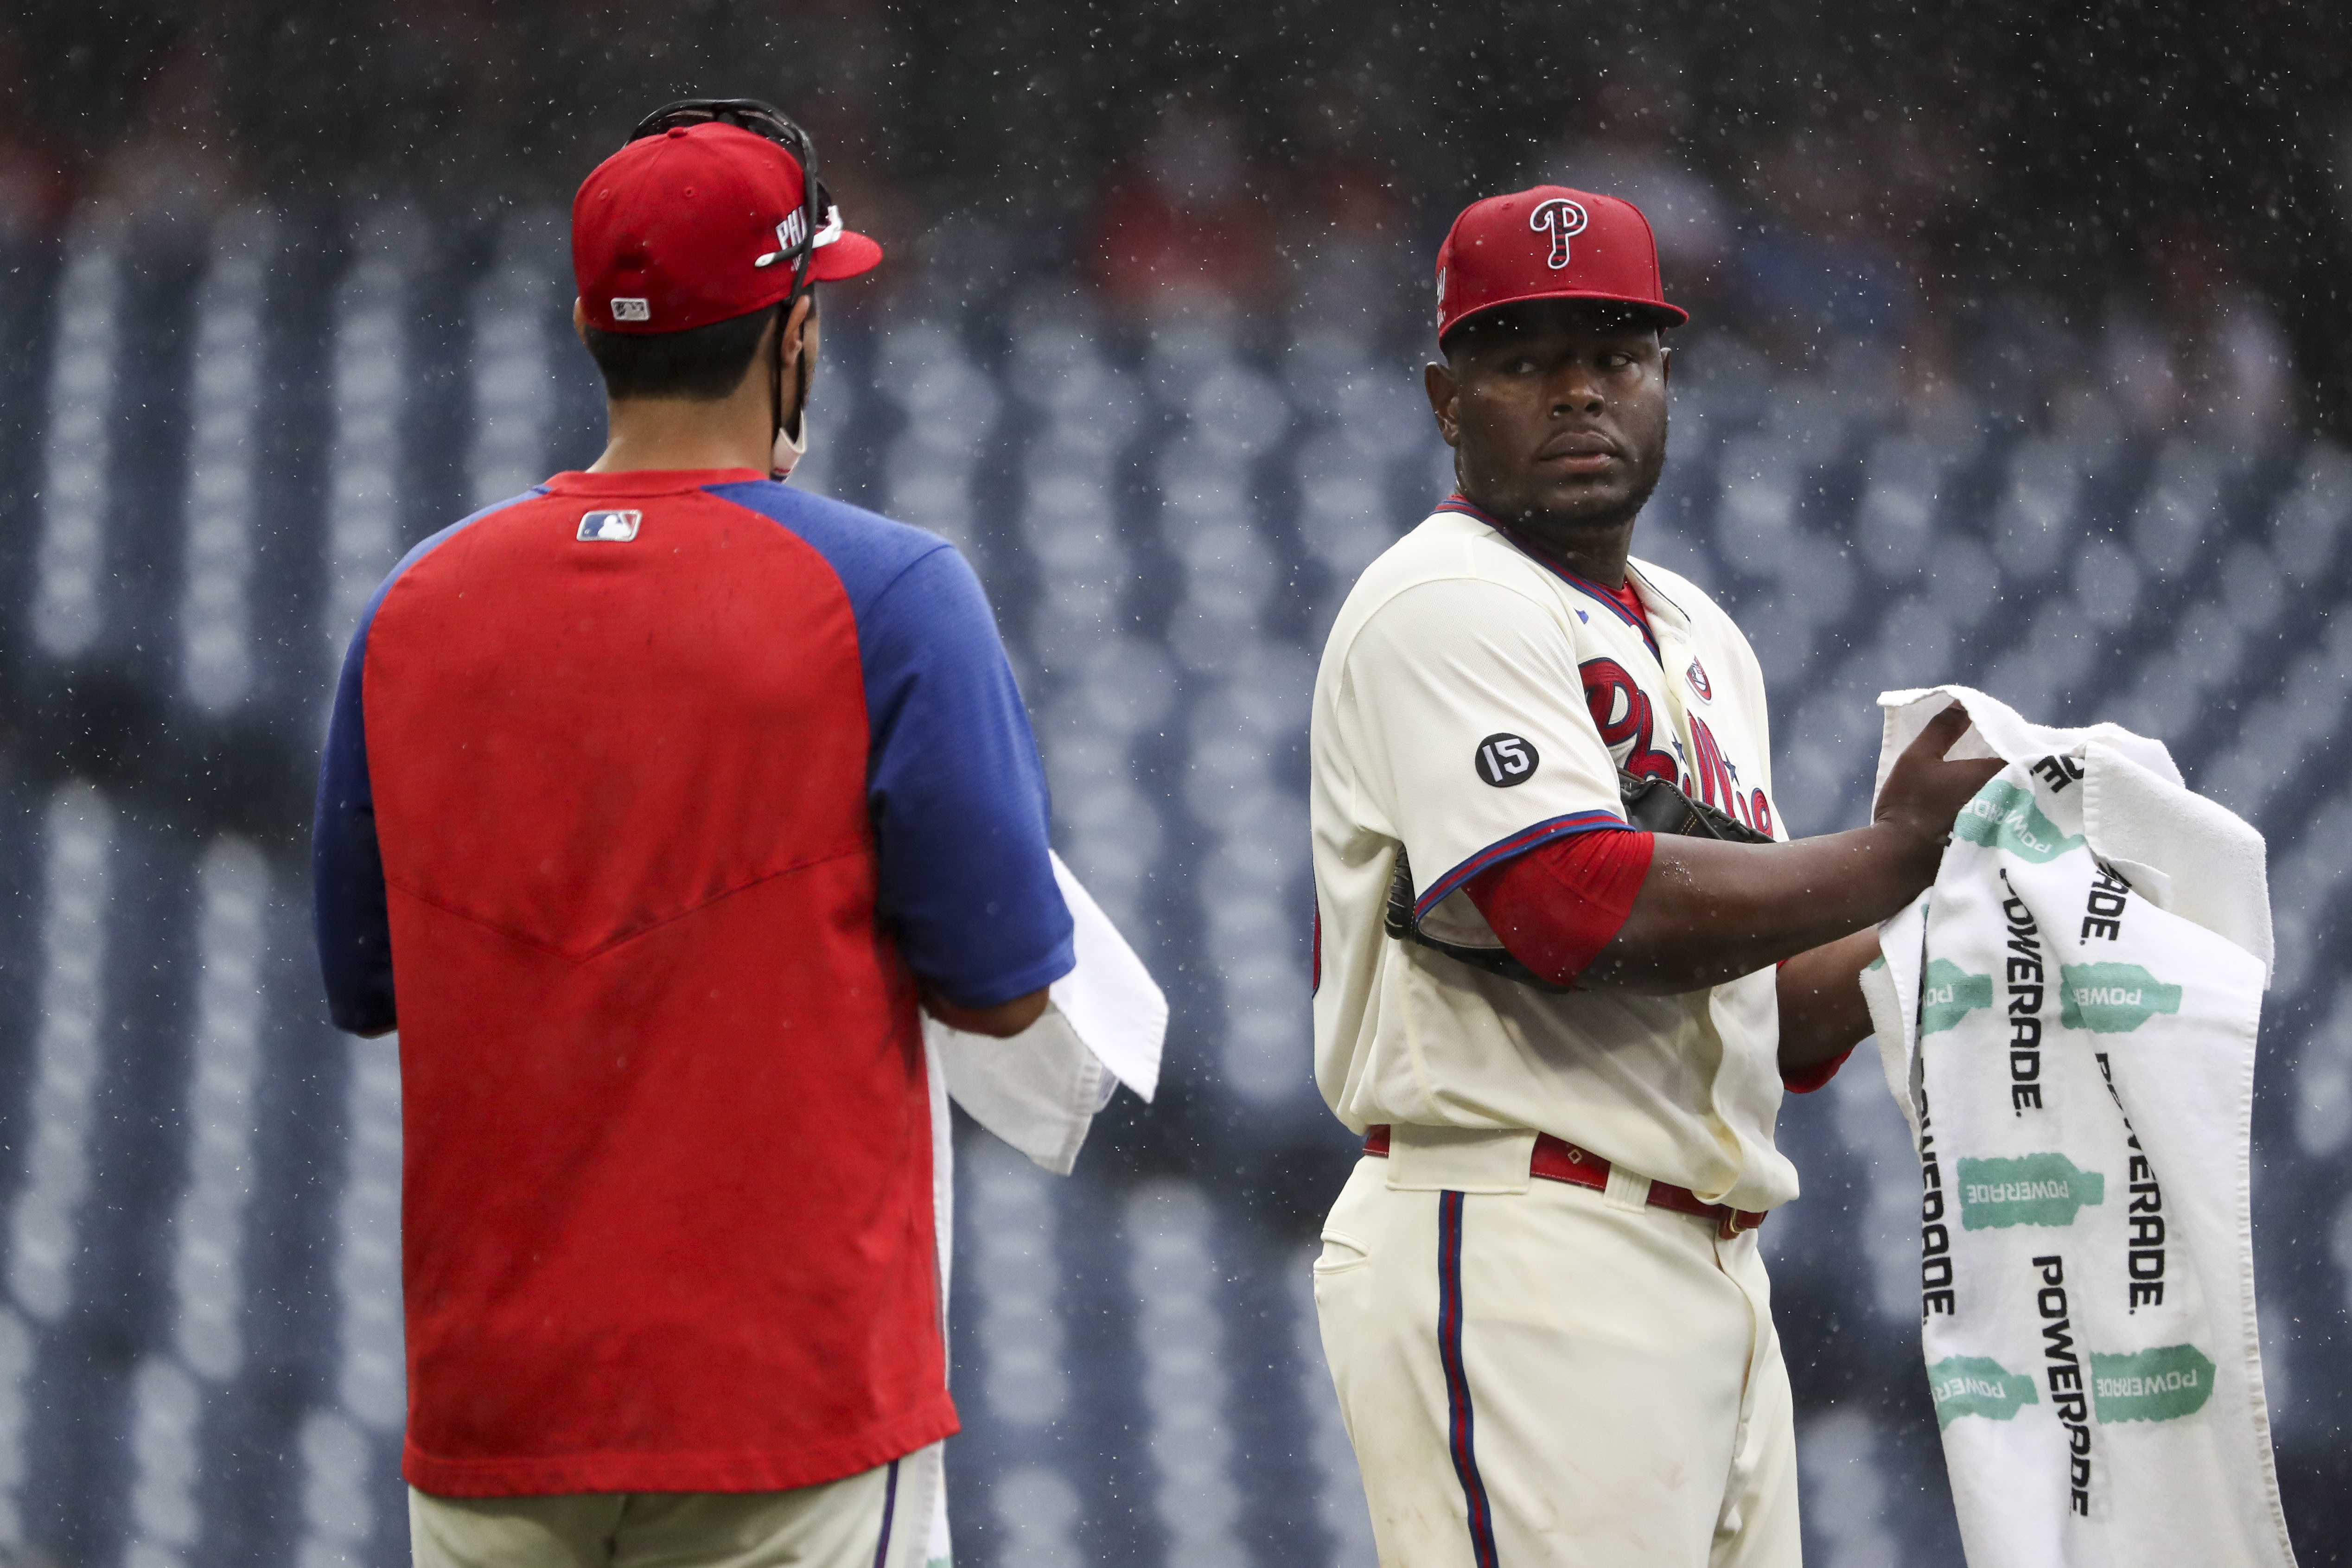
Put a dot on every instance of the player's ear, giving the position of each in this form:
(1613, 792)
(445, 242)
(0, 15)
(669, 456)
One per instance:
(1666, 364)
(580, 320)
(1438, 381)
(799, 333)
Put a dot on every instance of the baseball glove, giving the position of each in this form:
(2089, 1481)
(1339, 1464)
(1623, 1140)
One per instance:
(1655, 805)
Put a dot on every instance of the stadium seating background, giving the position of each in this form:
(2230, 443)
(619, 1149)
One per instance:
(209, 455)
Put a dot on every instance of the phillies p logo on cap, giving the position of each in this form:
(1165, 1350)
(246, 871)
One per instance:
(1560, 218)
(1510, 248)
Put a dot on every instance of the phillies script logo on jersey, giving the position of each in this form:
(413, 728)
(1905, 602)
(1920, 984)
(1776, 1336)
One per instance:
(1628, 723)
(1560, 218)
(1696, 675)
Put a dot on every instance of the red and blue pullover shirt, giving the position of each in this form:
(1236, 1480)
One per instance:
(646, 797)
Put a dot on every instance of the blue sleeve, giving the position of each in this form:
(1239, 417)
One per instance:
(348, 910)
(958, 797)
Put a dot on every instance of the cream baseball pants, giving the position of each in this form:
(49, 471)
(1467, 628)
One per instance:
(1536, 1373)
(881, 1517)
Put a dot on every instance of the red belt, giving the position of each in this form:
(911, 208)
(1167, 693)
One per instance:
(1558, 1160)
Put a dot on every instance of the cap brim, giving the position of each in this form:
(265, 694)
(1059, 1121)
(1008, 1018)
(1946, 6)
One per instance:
(1666, 315)
(848, 255)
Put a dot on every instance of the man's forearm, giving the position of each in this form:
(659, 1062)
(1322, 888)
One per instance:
(1001, 1021)
(1708, 912)
(1822, 1014)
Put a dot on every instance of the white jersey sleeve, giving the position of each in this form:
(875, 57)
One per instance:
(1473, 736)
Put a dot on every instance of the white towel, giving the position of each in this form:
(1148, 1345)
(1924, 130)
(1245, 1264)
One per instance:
(1040, 1090)
(2067, 1020)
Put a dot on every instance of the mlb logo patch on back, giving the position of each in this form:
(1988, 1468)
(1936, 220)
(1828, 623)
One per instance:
(609, 527)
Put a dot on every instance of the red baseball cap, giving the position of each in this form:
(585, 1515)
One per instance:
(694, 225)
(1548, 243)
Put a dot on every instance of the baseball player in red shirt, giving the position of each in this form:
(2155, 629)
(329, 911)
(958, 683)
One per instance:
(1568, 958)
(655, 802)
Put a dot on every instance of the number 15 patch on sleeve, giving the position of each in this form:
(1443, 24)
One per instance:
(1504, 760)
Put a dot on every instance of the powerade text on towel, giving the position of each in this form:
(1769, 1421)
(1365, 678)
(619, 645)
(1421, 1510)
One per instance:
(2068, 1021)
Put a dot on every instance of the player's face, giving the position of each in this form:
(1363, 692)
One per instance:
(1557, 413)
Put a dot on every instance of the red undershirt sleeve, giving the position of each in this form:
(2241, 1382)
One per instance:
(1556, 907)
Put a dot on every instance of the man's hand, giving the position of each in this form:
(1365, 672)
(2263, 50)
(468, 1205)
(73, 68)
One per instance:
(1001, 1021)
(1711, 911)
(1924, 793)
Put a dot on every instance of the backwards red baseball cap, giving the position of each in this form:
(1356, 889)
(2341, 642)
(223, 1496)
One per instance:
(1548, 243)
(695, 225)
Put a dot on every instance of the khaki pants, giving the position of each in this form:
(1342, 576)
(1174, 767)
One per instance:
(1554, 1375)
(879, 1519)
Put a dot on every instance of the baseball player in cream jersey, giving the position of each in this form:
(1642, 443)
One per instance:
(1566, 958)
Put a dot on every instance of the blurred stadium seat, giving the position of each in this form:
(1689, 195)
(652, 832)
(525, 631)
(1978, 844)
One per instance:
(199, 1341)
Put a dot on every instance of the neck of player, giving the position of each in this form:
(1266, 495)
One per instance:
(1594, 549)
(737, 431)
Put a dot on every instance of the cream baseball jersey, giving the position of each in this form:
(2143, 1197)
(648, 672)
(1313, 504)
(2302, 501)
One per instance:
(1476, 700)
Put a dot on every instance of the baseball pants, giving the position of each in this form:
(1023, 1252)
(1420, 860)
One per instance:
(1536, 1373)
(880, 1518)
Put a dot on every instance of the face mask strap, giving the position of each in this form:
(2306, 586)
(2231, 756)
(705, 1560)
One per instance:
(791, 442)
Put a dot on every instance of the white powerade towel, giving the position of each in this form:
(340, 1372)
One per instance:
(2067, 1020)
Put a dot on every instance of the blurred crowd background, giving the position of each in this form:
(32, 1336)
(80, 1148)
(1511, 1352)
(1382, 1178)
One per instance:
(2019, 358)
(2159, 206)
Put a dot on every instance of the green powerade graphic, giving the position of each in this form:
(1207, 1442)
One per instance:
(2003, 816)
(1948, 994)
(2160, 1384)
(2031, 1189)
(2112, 998)
(1976, 1385)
